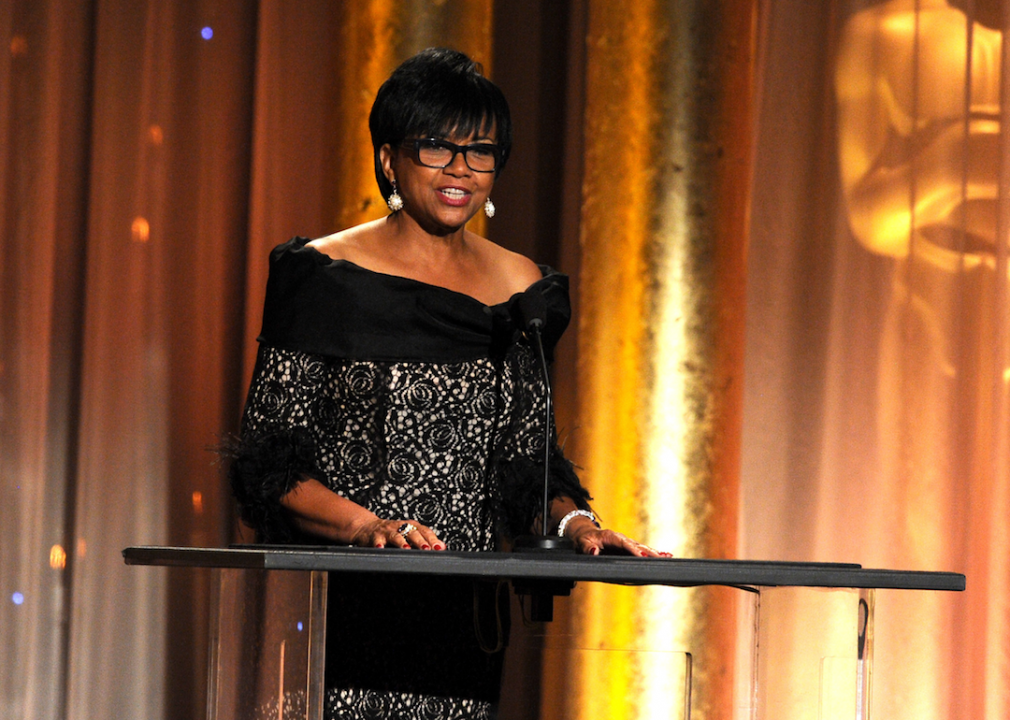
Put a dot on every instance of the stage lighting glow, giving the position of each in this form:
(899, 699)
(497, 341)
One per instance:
(140, 230)
(299, 626)
(19, 46)
(17, 598)
(207, 33)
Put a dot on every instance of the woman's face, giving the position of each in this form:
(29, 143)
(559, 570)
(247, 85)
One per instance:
(440, 200)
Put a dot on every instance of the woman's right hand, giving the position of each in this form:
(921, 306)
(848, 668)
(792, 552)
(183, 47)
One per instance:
(405, 534)
(317, 510)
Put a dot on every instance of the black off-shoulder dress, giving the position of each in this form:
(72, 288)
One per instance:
(416, 402)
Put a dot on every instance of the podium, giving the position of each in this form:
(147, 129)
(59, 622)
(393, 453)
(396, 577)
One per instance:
(269, 624)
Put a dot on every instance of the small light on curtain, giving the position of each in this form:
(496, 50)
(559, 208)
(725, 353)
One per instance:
(140, 230)
(155, 135)
(197, 502)
(207, 33)
(19, 46)
(57, 557)
(18, 599)
(82, 547)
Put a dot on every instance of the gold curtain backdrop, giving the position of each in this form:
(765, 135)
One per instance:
(151, 153)
(664, 224)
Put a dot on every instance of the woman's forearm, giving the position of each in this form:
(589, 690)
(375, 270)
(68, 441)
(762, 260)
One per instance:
(317, 510)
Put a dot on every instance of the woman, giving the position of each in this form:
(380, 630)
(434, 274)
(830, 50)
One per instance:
(396, 403)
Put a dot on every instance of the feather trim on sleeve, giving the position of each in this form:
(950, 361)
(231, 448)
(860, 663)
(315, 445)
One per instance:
(522, 490)
(264, 468)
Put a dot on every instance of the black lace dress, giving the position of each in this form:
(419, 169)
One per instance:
(415, 402)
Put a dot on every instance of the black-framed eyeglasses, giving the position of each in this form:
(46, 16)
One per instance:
(435, 153)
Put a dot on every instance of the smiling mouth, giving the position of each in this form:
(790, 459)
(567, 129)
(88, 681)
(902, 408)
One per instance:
(454, 193)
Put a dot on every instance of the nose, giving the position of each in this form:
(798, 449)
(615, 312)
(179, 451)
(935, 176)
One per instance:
(458, 166)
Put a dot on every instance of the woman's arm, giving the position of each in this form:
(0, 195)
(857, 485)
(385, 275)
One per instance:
(275, 472)
(316, 510)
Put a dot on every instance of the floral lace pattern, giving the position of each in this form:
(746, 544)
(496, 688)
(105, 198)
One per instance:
(370, 705)
(410, 440)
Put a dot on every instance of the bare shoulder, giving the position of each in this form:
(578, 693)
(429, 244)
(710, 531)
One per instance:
(513, 272)
(525, 271)
(351, 244)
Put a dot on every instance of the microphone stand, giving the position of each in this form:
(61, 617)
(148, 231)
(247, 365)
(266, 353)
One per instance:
(544, 542)
(542, 592)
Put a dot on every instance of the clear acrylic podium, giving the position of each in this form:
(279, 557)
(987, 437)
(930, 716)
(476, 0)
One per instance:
(269, 624)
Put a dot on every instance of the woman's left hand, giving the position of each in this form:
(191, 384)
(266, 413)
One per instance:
(591, 540)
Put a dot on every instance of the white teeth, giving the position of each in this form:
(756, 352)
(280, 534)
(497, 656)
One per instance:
(453, 192)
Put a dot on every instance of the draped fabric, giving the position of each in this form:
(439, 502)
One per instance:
(152, 152)
(876, 372)
(665, 189)
(125, 198)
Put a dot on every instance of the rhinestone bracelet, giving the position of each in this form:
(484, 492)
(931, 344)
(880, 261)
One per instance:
(574, 514)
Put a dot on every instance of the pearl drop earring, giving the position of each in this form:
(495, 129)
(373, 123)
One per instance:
(394, 201)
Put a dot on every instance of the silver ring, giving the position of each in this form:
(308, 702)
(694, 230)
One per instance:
(405, 529)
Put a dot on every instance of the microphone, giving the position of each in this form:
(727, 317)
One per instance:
(530, 313)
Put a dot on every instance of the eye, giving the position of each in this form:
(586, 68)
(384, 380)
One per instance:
(481, 151)
(434, 153)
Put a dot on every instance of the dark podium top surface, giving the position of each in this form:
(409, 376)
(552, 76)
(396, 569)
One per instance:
(616, 569)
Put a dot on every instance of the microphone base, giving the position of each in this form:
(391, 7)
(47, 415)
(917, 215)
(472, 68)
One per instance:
(542, 543)
(542, 592)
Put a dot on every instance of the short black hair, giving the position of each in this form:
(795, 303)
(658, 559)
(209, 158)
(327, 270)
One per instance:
(437, 92)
